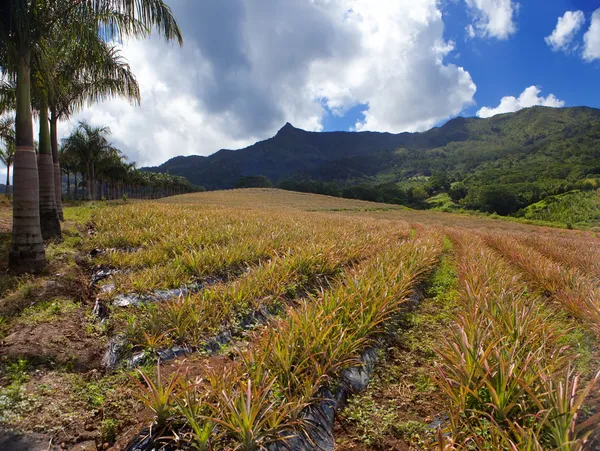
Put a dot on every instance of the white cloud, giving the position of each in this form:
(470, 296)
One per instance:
(591, 39)
(566, 28)
(248, 66)
(529, 97)
(470, 31)
(492, 18)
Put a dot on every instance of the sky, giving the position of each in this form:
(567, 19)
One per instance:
(249, 66)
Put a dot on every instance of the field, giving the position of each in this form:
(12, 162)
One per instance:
(239, 319)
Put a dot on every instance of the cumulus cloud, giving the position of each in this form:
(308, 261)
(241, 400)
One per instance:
(492, 18)
(591, 39)
(529, 97)
(566, 28)
(248, 66)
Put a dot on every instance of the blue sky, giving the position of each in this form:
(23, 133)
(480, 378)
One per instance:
(506, 67)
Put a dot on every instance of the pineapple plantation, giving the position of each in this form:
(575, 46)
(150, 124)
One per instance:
(249, 319)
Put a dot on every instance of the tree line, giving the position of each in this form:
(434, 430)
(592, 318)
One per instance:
(96, 170)
(57, 56)
(494, 198)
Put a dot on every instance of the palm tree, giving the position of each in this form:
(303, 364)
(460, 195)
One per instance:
(88, 151)
(91, 146)
(23, 26)
(7, 157)
(49, 219)
(75, 80)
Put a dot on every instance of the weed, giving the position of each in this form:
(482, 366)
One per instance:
(108, 429)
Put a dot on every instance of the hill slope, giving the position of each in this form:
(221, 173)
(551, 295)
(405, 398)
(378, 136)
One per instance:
(535, 153)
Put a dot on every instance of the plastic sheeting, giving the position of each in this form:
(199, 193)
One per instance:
(126, 300)
(320, 417)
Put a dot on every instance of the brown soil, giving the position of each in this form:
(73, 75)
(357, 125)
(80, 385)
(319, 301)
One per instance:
(10, 440)
(65, 407)
(63, 282)
(63, 342)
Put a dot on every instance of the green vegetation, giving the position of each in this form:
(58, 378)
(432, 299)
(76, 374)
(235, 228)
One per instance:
(575, 209)
(402, 386)
(48, 311)
(105, 172)
(254, 182)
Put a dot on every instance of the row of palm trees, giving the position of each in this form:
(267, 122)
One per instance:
(7, 154)
(93, 169)
(97, 170)
(57, 56)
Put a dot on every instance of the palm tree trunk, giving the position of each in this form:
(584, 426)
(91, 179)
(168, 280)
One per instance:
(75, 193)
(49, 221)
(68, 184)
(27, 247)
(88, 183)
(94, 183)
(8, 181)
(57, 173)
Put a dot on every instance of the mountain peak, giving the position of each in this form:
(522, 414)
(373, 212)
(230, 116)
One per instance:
(287, 128)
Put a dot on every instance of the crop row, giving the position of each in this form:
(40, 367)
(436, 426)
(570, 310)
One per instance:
(259, 396)
(176, 246)
(576, 292)
(267, 286)
(508, 377)
(576, 253)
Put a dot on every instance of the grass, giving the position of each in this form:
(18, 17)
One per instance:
(507, 328)
(46, 311)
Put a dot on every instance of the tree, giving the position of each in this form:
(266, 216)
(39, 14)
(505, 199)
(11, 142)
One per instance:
(458, 191)
(90, 145)
(23, 26)
(492, 199)
(105, 172)
(83, 73)
(439, 182)
(49, 219)
(7, 157)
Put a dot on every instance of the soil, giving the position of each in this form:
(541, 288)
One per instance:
(63, 342)
(12, 441)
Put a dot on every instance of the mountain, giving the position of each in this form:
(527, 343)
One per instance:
(289, 152)
(534, 153)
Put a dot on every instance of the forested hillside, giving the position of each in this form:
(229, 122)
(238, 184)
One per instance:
(501, 164)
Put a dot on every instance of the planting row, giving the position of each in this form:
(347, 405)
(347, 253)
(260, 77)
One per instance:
(259, 397)
(177, 246)
(575, 291)
(506, 366)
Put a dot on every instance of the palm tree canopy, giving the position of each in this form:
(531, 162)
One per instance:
(24, 23)
(76, 81)
(7, 129)
(88, 143)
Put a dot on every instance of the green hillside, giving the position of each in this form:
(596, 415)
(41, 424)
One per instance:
(502, 164)
(575, 208)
